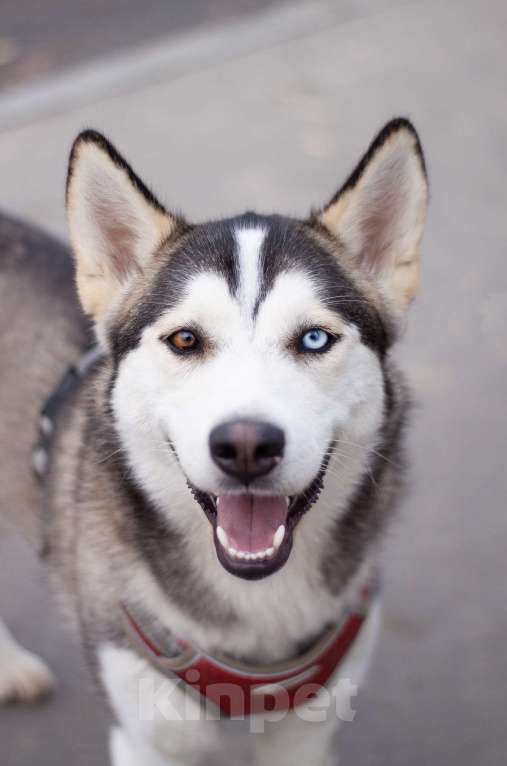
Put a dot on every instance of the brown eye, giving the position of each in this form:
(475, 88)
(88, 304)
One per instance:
(182, 341)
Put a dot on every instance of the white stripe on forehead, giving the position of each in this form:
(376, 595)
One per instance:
(249, 249)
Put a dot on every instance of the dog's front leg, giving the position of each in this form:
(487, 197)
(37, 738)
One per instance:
(23, 676)
(123, 752)
(160, 724)
(120, 749)
(293, 740)
(309, 734)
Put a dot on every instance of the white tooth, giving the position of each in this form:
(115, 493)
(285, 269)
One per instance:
(278, 536)
(241, 555)
(287, 500)
(232, 552)
(217, 501)
(222, 536)
(269, 552)
(260, 555)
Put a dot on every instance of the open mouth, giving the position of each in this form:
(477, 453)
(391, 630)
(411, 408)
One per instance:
(253, 533)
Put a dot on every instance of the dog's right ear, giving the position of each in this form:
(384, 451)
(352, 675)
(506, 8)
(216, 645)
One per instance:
(116, 224)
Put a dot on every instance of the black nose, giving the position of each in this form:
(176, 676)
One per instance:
(246, 449)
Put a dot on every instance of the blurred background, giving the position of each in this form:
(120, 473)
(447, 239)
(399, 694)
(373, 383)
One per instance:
(234, 104)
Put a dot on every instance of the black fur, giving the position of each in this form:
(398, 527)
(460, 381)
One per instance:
(94, 137)
(289, 245)
(392, 127)
(205, 247)
(212, 247)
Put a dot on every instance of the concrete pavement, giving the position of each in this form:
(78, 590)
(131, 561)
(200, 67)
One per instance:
(279, 126)
(40, 39)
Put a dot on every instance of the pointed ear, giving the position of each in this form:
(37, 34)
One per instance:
(380, 211)
(116, 224)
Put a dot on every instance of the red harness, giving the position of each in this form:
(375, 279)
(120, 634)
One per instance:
(239, 689)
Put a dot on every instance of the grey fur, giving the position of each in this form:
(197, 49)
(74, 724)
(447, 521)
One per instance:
(378, 494)
(96, 519)
(98, 528)
(41, 330)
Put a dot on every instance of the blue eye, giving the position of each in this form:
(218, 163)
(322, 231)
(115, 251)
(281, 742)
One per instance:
(315, 340)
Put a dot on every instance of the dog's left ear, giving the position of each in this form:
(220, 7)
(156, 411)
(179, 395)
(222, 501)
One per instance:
(379, 213)
(116, 224)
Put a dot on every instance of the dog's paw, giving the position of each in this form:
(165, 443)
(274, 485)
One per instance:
(24, 677)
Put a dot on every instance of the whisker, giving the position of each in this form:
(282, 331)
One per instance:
(366, 448)
(111, 455)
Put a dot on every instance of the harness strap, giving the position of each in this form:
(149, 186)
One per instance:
(68, 384)
(235, 688)
(238, 689)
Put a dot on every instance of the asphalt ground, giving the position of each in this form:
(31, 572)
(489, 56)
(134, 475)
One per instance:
(40, 39)
(275, 121)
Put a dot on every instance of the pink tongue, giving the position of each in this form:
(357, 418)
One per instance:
(250, 521)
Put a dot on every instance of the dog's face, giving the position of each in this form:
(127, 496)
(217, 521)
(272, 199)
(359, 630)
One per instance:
(249, 351)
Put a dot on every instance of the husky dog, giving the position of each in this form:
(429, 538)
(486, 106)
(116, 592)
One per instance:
(220, 479)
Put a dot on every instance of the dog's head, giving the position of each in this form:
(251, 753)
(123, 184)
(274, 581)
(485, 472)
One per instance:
(250, 350)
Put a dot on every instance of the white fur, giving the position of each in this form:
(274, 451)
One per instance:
(250, 369)
(285, 740)
(121, 751)
(158, 394)
(249, 248)
(23, 676)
